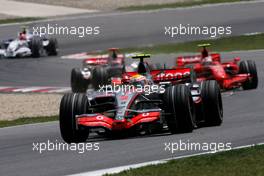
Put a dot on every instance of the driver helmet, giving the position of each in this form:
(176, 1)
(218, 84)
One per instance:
(138, 80)
(207, 60)
(22, 36)
(132, 67)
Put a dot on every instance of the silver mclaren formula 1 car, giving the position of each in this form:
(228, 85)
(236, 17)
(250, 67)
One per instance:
(97, 71)
(145, 102)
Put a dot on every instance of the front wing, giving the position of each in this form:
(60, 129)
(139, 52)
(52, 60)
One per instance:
(101, 121)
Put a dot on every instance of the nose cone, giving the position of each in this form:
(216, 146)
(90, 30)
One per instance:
(119, 124)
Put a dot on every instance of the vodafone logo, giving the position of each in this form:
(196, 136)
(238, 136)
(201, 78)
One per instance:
(145, 114)
(173, 76)
(99, 117)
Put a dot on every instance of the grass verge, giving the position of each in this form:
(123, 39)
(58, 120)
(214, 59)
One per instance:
(19, 20)
(242, 162)
(175, 5)
(23, 121)
(234, 43)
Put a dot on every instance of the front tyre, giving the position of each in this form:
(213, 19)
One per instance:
(70, 106)
(100, 77)
(212, 103)
(249, 67)
(52, 48)
(180, 109)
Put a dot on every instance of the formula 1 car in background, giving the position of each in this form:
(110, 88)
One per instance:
(28, 45)
(155, 99)
(229, 75)
(97, 71)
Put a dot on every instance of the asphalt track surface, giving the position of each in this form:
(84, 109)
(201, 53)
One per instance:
(123, 30)
(243, 111)
(243, 124)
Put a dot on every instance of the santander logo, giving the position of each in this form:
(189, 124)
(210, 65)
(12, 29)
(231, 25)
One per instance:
(173, 76)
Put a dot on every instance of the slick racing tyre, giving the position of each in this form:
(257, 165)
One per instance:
(70, 106)
(115, 71)
(100, 77)
(78, 83)
(180, 109)
(52, 47)
(212, 103)
(35, 46)
(2, 46)
(249, 67)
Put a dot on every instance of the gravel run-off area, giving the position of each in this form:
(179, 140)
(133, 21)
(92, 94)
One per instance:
(15, 106)
(3, 16)
(103, 4)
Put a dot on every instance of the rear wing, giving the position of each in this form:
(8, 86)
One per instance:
(95, 61)
(141, 57)
(185, 60)
(101, 59)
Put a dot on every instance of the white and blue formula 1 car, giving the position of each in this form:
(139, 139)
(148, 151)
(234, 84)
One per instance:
(28, 45)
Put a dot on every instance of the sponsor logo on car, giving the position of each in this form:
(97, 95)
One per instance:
(173, 76)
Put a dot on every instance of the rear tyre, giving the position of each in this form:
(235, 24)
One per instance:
(70, 106)
(212, 103)
(115, 72)
(180, 107)
(100, 77)
(78, 83)
(249, 67)
(52, 47)
(2, 46)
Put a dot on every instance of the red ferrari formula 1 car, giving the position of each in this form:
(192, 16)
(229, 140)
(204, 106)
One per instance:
(97, 70)
(229, 75)
(144, 101)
